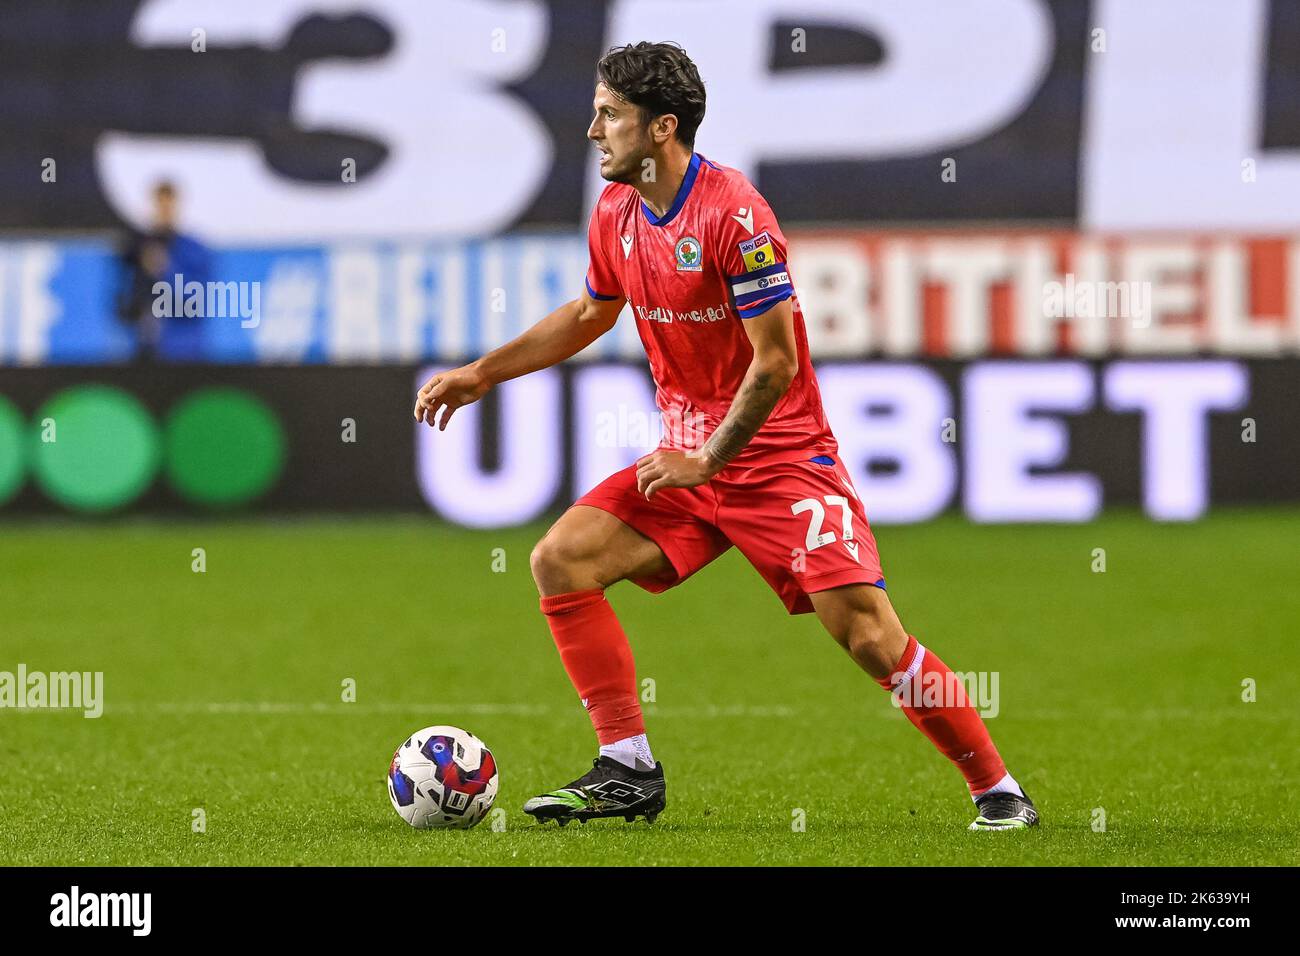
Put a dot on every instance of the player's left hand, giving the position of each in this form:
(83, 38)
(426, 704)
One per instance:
(666, 468)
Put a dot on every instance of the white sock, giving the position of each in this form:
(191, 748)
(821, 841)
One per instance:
(1006, 785)
(631, 752)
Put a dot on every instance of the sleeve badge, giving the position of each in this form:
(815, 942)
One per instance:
(758, 252)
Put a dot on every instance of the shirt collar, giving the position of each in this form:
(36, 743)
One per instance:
(688, 181)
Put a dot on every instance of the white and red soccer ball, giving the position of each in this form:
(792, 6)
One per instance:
(442, 777)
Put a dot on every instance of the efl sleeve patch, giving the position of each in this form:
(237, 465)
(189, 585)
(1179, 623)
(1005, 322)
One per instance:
(756, 292)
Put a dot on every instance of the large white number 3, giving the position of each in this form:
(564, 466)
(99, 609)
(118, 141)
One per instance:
(816, 536)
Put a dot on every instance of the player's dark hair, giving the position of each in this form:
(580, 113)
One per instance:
(658, 79)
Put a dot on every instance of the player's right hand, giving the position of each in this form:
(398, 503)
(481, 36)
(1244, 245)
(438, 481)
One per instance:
(449, 391)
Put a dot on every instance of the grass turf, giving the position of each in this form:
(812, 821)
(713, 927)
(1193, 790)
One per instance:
(1119, 691)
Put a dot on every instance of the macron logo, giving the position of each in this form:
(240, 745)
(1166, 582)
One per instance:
(102, 909)
(746, 219)
(627, 245)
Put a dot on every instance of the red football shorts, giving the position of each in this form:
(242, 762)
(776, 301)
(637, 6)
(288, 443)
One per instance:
(799, 523)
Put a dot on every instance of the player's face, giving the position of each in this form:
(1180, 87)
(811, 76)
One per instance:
(620, 135)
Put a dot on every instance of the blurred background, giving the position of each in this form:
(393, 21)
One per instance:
(1048, 250)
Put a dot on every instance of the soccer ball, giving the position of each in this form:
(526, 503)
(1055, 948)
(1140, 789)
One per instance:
(442, 777)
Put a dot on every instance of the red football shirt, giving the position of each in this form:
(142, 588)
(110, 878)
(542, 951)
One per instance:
(692, 276)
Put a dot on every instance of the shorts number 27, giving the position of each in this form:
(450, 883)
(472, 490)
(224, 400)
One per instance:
(816, 536)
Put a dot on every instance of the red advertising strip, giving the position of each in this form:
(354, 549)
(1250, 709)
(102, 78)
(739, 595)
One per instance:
(1032, 293)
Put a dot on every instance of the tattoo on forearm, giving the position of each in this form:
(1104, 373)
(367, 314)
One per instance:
(749, 410)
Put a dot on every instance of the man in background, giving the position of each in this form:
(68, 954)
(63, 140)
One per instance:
(160, 254)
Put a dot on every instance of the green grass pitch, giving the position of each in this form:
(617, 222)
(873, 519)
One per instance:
(1120, 692)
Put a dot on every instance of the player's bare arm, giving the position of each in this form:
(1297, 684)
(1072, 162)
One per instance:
(773, 368)
(562, 334)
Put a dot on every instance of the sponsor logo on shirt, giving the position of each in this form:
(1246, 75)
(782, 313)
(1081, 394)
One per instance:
(689, 258)
(757, 252)
(661, 314)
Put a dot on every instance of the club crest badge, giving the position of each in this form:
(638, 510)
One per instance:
(689, 256)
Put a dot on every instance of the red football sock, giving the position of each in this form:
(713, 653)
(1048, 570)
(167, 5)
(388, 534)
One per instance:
(598, 658)
(937, 704)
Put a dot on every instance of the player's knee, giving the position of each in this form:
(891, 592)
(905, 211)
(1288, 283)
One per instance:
(546, 561)
(559, 565)
(876, 641)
